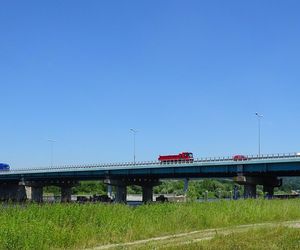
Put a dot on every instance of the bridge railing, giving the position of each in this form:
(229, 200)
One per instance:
(145, 163)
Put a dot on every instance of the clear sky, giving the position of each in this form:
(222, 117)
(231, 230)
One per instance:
(188, 75)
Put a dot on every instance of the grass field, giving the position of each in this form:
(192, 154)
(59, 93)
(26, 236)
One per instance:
(87, 225)
(277, 238)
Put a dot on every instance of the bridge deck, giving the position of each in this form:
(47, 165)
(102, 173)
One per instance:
(279, 165)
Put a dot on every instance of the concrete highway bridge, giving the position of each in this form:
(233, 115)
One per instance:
(265, 170)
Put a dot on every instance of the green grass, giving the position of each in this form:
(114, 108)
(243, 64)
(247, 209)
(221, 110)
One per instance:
(79, 226)
(261, 239)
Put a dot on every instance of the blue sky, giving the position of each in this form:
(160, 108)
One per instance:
(189, 75)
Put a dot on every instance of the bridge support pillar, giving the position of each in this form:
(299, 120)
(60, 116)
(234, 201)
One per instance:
(147, 185)
(66, 192)
(120, 187)
(249, 191)
(109, 191)
(250, 182)
(37, 194)
(66, 189)
(15, 192)
(147, 193)
(121, 194)
(269, 191)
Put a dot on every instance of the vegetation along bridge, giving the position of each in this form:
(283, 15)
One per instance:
(251, 171)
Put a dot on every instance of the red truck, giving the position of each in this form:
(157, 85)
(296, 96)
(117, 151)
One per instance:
(182, 157)
(240, 158)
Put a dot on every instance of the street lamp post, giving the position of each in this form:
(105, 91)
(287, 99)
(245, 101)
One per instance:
(134, 132)
(259, 116)
(52, 149)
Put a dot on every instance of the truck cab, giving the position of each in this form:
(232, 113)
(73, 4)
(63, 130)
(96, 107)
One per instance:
(4, 167)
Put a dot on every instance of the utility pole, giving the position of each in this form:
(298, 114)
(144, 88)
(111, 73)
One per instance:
(52, 150)
(259, 116)
(134, 133)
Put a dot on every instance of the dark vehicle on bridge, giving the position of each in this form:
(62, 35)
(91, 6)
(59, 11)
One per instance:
(4, 167)
(182, 157)
(240, 158)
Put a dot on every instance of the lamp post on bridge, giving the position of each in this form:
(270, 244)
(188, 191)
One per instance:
(52, 149)
(259, 116)
(134, 133)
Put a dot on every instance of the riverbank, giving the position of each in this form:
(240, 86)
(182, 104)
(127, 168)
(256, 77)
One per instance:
(76, 226)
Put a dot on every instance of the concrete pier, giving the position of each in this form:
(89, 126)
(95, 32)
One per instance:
(66, 192)
(121, 194)
(120, 189)
(147, 185)
(37, 194)
(250, 182)
(38, 186)
(147, 193)
(12, 192)
(249, 191)
(269, 191)
(109, 191)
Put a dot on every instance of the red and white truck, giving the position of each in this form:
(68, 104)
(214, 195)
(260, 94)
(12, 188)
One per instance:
(182, 157)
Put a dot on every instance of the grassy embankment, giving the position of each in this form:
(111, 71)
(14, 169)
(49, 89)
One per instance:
(79, 226)
(259, 239)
